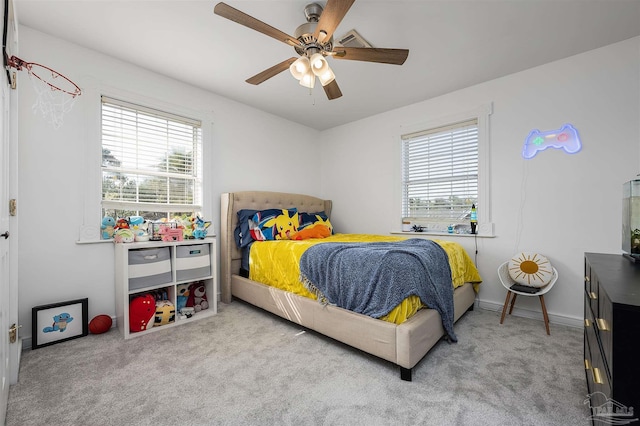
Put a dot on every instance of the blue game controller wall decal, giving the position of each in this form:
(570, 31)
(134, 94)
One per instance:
(565, 138)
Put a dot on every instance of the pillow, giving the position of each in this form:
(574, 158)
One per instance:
(314, 231)
(274, 224)
(310, 219)
(530, 269)
(242, 233)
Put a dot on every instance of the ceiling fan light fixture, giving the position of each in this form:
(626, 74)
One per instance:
(308, 80)
(319, 64)
(327, 77)
(300, 67)
(321, 36)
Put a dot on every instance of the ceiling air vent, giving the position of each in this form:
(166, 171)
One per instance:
(352, 39)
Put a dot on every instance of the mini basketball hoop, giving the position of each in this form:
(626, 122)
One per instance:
(56, 94)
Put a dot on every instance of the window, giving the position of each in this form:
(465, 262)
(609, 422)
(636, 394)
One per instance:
(442, 174)
(151, 162)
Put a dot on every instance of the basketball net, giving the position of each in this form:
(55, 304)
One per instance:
(55, 93)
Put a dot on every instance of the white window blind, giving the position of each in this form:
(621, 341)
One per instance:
(151, 162)
(440, 173)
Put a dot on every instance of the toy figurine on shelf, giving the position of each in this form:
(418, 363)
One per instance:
(107, 228)
(201, 226)
(124, 235)
(139, 227)
(417, 228)
(122, 223)
(168, 233)
(474, 218)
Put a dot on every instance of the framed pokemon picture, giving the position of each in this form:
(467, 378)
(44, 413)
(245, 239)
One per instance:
(59, 322)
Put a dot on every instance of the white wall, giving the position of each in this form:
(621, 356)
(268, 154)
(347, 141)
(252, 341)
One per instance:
(53, 175)
(569, 204)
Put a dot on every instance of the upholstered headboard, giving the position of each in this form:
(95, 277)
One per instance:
(232, 202)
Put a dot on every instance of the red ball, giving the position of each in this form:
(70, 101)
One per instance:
(100, 324)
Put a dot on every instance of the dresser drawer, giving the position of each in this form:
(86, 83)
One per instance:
(587, 278)
(612, 305)
(604, 327)
(593, 295)
(597, 379)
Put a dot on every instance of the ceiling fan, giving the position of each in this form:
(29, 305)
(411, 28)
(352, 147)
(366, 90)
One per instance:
(313, 42)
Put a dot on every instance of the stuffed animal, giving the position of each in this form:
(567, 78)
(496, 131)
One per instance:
(197, 298)
(140, 227)
(171, 234)
(135, 221)
(200, 228)
(124, 236)
(142, 309)
(182, 296)
(108, 227)
(185, 224)
(165, 313)
(122, 223)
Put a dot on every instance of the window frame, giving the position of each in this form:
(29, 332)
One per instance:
(89, 228)
(481, 114)
(167, 208)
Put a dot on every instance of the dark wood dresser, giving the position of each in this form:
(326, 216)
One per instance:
(612, 336)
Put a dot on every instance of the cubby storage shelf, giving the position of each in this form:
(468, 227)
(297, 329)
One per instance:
(148, 267)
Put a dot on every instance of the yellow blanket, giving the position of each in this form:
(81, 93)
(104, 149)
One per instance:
(277, 263)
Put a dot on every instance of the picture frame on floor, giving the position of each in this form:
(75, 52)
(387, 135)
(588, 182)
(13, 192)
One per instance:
(59, 322)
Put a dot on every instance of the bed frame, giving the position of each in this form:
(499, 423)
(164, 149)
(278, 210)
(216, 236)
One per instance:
(404, 345)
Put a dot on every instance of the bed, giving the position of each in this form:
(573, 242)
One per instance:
(403, 344)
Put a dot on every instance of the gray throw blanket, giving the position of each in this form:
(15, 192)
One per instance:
(373, 278)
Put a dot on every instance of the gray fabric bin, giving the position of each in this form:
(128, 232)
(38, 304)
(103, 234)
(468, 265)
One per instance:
(149, 267)
(192, 262)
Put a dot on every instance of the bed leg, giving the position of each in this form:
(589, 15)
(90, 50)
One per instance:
(405, 374)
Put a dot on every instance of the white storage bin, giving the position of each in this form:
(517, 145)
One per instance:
(149, 267)
(192, 262)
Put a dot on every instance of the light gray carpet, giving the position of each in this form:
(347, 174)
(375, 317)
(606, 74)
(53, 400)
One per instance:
(247, 367)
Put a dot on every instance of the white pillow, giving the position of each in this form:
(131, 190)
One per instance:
(530, 269)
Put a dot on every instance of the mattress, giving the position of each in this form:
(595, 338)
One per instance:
(277, 264)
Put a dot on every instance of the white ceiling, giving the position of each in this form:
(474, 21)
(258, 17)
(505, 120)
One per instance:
(453, 44)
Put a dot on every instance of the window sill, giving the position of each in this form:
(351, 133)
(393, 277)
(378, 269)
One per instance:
(441, 234)
(113, 242)
(94, 241)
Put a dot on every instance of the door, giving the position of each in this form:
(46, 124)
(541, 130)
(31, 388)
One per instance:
(9, 347)
(4, 255)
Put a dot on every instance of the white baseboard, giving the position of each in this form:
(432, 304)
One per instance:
(537, 315)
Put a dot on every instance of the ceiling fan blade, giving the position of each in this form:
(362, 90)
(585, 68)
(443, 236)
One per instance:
(331, 16)
(372, 54)
(270, 72)
(332, 90)
(226, 11)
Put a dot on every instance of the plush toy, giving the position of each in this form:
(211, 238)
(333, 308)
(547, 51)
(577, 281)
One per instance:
(171, 234)
(124, 236)
(142, 309)
(142, 234)
(108, 227)
(140, 227)
(200, 228)
(122, 223)
(135, 221)
(165, 313)
(197, 298)
(183, 294)
(185, 224)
